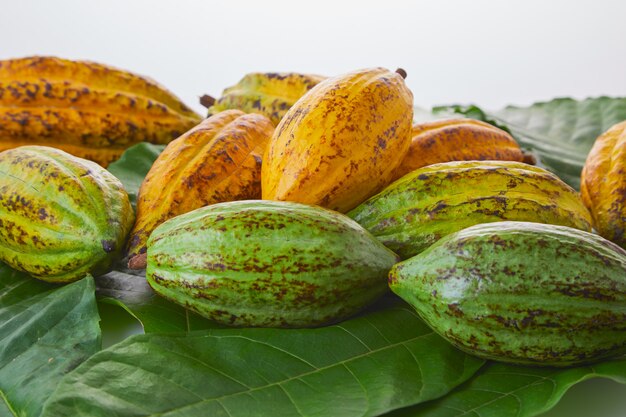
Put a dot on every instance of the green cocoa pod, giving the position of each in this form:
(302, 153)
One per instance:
(267, 263)
(61, 217)
(521, 292)
(431, 202)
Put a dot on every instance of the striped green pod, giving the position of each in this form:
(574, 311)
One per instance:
(61, 217)
(521, 292)
(431, 202)
(267, 263)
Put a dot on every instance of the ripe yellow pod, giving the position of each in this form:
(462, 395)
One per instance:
(340, 143)
(90, 110)
(219, 160)
(268, 93)
(603, 184)
(457, 140)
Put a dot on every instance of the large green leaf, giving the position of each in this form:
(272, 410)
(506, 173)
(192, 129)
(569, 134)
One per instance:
(501, 390)
(129, 289)
(365, 366)
(133, 166)
(45, 331)
(561, 132)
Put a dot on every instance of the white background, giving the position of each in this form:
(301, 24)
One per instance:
(491, 53)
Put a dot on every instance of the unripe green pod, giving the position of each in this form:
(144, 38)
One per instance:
(267, 263)
(431, 202)
(519, 292)
(61, 217)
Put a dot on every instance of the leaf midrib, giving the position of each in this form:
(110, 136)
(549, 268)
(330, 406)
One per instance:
(8, 404)
(280, 383)
(37, 315)
(295, 377)
(590, 373)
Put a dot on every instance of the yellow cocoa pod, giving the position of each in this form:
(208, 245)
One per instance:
(267, 93)
(603, 184)
(219, 160)
(87, 109)
(340, 143)
(457, 140)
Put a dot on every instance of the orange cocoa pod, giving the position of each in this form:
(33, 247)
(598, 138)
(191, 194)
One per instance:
(219, 160)
(458, 140)
(90, 110)
(603, 184)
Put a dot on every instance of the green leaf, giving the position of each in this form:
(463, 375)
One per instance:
(361, 367)
(561, 132)
(45, 331)
(130, 290)
(133, 166)
(501, 390)
(471, 111)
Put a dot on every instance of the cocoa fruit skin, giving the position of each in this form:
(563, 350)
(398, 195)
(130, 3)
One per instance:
(457, 140)
(90, 110)
(268, 93)
(61, 216)
(603, 184)
(218, 160)
(267, 264)
(340, 143)
(521, 292)
(431, 202)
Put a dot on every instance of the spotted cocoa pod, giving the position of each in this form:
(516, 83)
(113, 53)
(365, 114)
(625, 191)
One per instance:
(458, 140)
(267, 263)
(61, 217)
(519, 292)
(434, 201)
(340, 143)
(218, 160)
(268, 93)
(603, 184)
(90, 110)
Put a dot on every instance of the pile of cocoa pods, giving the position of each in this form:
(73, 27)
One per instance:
(302, 199)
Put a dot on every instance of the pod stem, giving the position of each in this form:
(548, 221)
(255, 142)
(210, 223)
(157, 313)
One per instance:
(207, 101)
(401, 72)
(138, 261)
